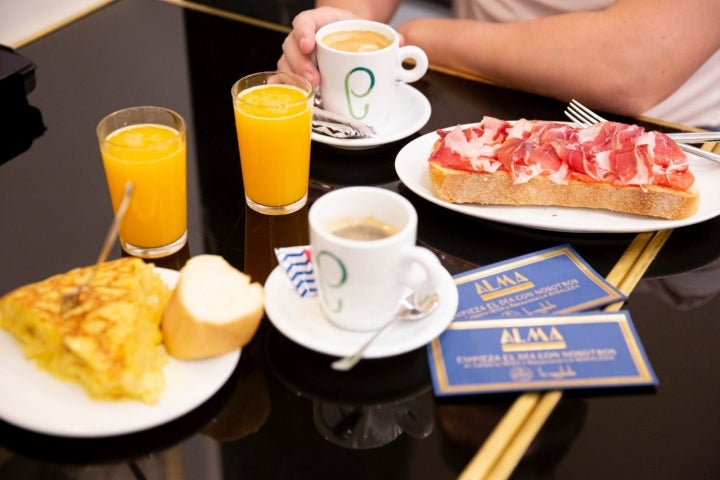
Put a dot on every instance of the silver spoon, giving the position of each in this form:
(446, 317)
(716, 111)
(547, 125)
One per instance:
(72, 299)
(335, 125)
(410, 309)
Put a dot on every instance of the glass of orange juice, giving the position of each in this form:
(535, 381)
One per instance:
(147, 146)
(273, 119)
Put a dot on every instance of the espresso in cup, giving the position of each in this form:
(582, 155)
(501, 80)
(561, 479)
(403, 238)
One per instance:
(361, 64)
(357, 41)
(361, 282)
(366, 228)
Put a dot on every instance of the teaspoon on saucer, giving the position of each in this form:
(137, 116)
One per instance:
(410, 309)
(334, 125)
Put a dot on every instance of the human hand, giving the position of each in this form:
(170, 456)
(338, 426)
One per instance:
(299, 46)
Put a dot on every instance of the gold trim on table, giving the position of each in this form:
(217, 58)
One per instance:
(506, 445)
(228, 14)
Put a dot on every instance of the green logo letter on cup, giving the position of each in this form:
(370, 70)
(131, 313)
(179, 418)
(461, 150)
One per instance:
(360, 64)
(351, 95)
(365, 256)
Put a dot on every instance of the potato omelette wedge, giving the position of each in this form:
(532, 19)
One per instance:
(110, 344)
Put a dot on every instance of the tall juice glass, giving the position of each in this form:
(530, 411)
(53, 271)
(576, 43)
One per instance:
(147, 146)
(273, 119)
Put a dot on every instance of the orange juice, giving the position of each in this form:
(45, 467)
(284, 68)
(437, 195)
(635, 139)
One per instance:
(273, 124)
(152, 156)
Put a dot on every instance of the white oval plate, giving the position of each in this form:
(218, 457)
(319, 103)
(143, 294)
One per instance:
(35, 400)
(411, 166)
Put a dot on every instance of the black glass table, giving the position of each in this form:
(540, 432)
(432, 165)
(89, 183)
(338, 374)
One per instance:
(284, 413)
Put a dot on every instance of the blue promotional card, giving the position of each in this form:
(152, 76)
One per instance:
(584, 350)
(552, 281)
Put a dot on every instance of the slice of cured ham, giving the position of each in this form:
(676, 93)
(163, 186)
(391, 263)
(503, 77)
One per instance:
(608, 152)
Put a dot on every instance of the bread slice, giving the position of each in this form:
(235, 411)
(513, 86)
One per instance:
(460, 186)
(215, 309)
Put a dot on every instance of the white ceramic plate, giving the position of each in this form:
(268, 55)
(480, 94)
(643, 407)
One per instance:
(301, 320)
(411, 165)
(35, 400)
(410, 113)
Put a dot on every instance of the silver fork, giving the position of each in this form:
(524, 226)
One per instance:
(72, 298)
(582, 115)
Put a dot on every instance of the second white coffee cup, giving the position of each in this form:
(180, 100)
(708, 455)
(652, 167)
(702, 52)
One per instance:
(365, 258)
(361, 63)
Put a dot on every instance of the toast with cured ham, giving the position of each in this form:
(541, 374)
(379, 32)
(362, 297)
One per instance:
(611, 166)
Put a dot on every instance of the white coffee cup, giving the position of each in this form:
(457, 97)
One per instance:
(361, 85)
(361, 282)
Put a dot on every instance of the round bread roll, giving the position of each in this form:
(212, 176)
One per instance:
(214, 309)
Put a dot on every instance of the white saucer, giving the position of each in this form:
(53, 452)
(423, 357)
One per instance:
(410, 113)
(301, 320)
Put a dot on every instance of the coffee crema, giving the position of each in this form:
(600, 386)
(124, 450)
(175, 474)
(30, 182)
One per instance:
(357, 41)
(366, 229)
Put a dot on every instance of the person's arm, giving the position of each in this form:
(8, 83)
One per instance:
(378, 10)
(624, 59)
(299, 46)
